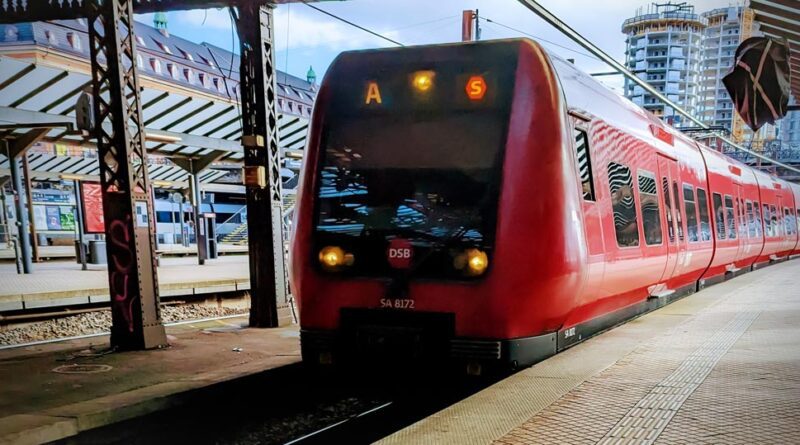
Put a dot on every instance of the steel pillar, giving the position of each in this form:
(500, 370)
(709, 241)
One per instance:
(26, 169)
(127, 205)
(23, 228)
(200, 235)
(268, 284)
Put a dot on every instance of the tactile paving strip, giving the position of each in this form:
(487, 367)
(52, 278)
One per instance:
(645, 422)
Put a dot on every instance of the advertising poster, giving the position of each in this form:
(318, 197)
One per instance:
(67, 218)
(92, 200)
(53, 218)
(39, 217)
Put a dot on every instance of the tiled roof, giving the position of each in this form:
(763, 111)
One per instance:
(166, 57)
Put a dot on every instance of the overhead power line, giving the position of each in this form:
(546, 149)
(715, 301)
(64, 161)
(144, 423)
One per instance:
(353, 24)
(511, 28)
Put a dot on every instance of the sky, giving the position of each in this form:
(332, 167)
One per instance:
(305, 37)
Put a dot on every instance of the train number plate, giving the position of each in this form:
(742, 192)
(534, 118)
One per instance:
(397, 303)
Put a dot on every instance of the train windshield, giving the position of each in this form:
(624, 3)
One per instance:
(428, 173)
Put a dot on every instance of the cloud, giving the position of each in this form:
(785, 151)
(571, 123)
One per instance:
(215, 19)
(312, 29)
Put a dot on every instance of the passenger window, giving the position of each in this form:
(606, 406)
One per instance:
(797, 219)
(622, 203)
(742, 219)
(751, 220)
(668, 210)
(767, 221)
(776, 228)
(787, 220)
(702, 205)
(678, 217)
(729, 216)
(719, 216)
(691, 213)
(648, 199)
(584, 163)
(757, 215)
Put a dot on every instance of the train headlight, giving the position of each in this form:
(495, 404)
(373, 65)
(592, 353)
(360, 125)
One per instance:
(473, 262)
(335, 258)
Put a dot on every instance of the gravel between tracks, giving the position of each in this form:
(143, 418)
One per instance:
(100, 321)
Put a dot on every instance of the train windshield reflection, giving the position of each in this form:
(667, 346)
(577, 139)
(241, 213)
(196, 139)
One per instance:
(432, 178)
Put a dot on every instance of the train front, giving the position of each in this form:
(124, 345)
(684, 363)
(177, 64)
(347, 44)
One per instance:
(395, 252)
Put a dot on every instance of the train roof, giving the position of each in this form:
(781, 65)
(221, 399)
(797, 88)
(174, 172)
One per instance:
(586, 95)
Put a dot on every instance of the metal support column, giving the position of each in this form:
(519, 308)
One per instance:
(127, 207)
(199, 221)
(26, 169)
(23, 229)
(268, 284)
(76, 189)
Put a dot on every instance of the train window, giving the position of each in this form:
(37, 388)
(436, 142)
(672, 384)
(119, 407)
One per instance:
(767, 221)
(719, 216)
(787, 220)
(584, 163)
(774, 221)
(757, 216)
(678, 217)
(691, 213)
(702, 206)
(668, 210)
(742, 219)
(622, 203)
(648, 198)
(797, 219)
(729, 216)
(751, 220)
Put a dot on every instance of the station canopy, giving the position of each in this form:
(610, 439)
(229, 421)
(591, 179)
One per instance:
(189, 101)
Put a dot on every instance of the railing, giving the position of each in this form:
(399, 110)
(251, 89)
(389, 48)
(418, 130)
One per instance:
(229, 226)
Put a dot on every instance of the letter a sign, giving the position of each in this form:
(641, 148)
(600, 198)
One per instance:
(373, 93)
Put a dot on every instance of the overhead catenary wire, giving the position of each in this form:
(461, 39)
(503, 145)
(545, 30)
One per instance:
(511, 28)
(554, 21)
(352, 24)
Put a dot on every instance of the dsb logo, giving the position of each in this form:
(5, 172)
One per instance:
(400, 253)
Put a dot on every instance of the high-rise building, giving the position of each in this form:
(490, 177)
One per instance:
(686, 55)
(790, 129)
(663, 47)
(720, 40)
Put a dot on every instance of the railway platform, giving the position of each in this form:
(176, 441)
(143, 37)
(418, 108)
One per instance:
(63, 283)
(721, 366)
(55, 391)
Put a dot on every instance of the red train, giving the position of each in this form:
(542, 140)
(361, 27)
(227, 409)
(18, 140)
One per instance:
(488, 202)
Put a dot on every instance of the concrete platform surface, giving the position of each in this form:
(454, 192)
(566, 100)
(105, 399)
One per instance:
(51, 252)
(59, 283)
(54, 391)
(721, 366)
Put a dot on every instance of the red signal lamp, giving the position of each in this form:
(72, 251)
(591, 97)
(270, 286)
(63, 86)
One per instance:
(476, 88)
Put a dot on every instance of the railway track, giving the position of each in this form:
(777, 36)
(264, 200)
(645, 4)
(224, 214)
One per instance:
(294, 406)
(62, 328)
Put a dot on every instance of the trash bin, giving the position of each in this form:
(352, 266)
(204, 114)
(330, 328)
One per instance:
(97, 249)
(78, 251)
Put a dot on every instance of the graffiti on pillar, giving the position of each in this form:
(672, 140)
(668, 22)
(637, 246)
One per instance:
(120, 268)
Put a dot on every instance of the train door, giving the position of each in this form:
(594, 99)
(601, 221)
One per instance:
(668, 172)
(737, 216)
